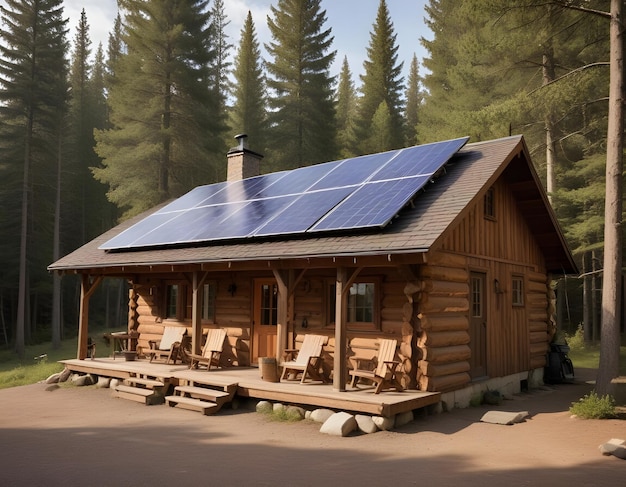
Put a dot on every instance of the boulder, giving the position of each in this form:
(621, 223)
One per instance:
(82, 380)
(103, 382)
(294, 413)
(264, 407)
(403, 418)
(65, 375)
(339, 424)
(53, 379)
(278, 407)
(365, 424)
(384, 423)
(615, 447)
(321, 415)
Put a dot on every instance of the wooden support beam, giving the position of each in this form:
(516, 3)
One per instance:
(282, 281)
(197, 281)
(87, 288)
(341, 314)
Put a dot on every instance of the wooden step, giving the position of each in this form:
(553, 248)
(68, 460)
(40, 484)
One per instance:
(205, 393)
(205, 407)
(145, 382)
(137, 394)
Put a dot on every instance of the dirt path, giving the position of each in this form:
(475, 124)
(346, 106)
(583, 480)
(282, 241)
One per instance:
(83, 436)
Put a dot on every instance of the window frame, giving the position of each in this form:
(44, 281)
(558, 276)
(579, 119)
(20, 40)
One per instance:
(208, 315)
(489, 204)
(330, 295)
(517, 293)
(175, 311)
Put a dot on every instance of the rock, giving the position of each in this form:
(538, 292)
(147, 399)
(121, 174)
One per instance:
(278, 407)
(321, 415)
(365, 424)
(493, 398)
(339, 424)
(65, 375)
(383, 423)
(615, 447)
(294, 413)
(82, 380)
(504, 417)
(307, 414)
(103, 382)
(264, 407)
(114, 383)
(403, 418)
(53, 379)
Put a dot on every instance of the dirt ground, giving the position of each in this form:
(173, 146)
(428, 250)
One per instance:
(83, 436)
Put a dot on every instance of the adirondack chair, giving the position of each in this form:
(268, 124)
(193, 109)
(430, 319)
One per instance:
(169, 347)
(211, 351)
(308, 359)
(382, 369)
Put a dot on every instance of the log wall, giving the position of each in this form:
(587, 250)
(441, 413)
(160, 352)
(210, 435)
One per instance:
(517, 336)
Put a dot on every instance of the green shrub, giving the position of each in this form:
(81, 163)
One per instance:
(576, 342)
(593, 406)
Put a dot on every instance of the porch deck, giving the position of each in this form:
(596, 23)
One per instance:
(250, 384)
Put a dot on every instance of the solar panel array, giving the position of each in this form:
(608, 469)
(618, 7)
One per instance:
(357, 193)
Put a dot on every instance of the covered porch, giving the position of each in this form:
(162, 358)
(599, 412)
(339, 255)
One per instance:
(247, 382)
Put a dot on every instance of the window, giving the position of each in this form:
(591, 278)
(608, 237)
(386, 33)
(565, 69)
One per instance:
(269, 304)
(209, 291)
(172, 305)
(489, 204)
(476, 297)
(361, 303)
(517, 290)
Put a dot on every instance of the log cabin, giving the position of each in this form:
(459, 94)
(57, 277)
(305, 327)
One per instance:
(459, 270)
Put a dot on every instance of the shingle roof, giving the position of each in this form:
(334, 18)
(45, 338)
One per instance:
(416, 229)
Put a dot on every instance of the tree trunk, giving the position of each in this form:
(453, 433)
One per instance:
(611, 288)
(56, 254)
(23, 294)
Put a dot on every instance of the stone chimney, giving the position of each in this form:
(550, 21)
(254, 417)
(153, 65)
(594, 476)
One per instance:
(242, 162)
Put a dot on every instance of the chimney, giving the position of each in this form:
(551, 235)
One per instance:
(242, 162)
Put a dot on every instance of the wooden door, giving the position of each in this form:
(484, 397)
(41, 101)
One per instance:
(265, 320)
(478, 325)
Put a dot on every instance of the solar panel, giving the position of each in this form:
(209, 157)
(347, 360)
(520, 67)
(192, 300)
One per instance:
(360, 192)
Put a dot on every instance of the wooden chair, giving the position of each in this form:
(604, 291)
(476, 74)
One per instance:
(308, 359)
(382, 369)
(212, 350)
(169, 347)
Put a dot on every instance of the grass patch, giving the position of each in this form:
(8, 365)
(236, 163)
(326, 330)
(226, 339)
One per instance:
(588, 357)
(15, 372)
(593, 406)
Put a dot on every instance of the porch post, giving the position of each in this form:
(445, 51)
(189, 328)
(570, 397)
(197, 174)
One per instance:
(281, 314)
(196, 317)
(197, 281)
(339, 365)
(87, 288)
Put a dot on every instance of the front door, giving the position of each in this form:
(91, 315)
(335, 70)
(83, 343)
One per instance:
(265, 319)
(478, 325)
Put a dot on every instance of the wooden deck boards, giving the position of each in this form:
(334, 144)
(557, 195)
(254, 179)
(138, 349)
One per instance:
(250, 384)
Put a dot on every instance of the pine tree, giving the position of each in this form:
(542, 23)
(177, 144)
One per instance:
(413, 99)
(303, 113)
(249, 112)
(33, 73)
(219, 82)
(346, 113)
(381, 81)
(162, 108)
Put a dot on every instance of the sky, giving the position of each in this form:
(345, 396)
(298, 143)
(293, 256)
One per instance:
(351, 22)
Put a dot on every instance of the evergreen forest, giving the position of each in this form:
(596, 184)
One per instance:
(93, 134)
